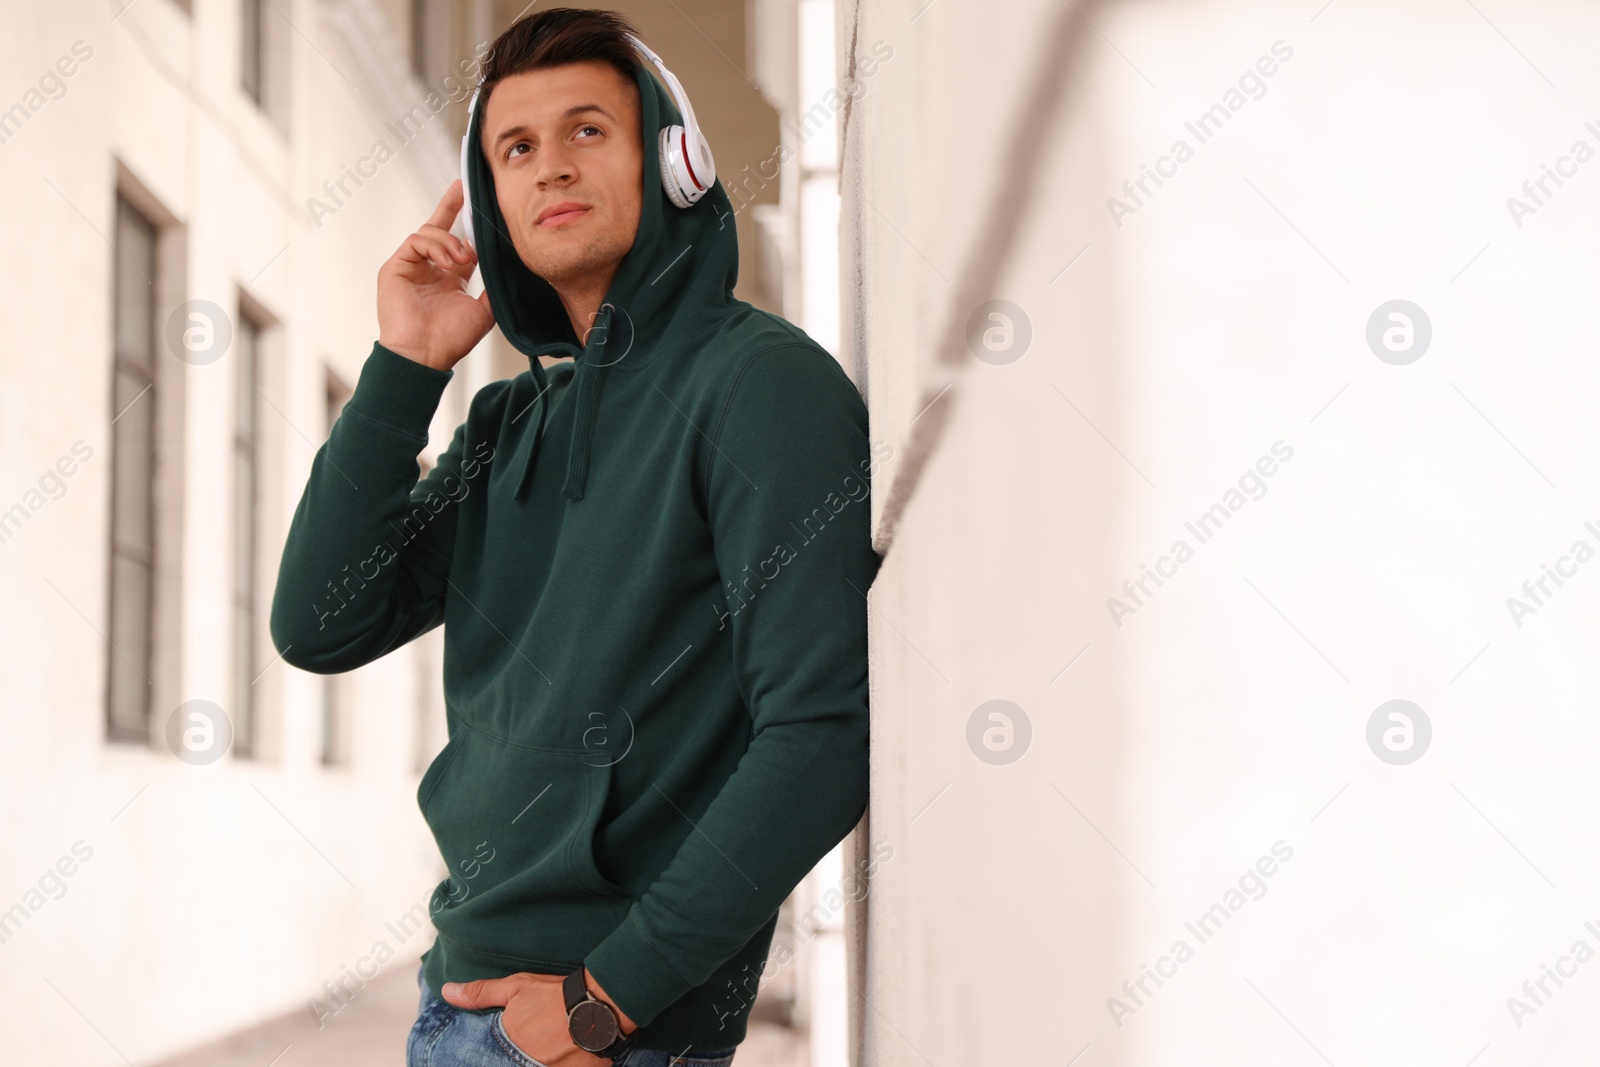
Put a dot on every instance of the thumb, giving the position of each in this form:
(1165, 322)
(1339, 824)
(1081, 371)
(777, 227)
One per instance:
(483, 300)
(483, 993)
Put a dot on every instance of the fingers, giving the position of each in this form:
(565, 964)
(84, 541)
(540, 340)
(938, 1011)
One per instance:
(440, 247)
(458, 248)
(433, 242)
(448, 207)
(483, 993)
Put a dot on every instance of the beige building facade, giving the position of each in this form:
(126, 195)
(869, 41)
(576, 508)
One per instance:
(204, 840)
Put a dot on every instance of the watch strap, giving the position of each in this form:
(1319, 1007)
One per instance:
(573, 989)
(617, 1048)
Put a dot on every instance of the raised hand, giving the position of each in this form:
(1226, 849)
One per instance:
(424, 312)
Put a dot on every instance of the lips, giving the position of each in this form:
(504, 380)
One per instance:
(558, 214)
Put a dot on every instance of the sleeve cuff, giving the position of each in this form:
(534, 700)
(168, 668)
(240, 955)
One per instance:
(634, 973)
(399, 392)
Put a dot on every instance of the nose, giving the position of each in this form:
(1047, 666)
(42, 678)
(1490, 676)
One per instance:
(555, 165)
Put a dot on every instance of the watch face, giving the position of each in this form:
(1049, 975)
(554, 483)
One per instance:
(592, 1026)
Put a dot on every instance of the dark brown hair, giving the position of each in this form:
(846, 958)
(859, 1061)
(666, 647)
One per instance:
(561, 35)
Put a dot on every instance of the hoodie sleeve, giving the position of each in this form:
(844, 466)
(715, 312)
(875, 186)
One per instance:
(367, 558)
(789, 462)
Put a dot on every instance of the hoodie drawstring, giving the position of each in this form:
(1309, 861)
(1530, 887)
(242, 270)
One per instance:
(582, 421)
(532, 446)
(588, 399)
(587, 374)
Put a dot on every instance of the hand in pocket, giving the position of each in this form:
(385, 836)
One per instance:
(534, 1019)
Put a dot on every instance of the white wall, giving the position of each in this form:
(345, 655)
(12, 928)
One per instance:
(1230, 712)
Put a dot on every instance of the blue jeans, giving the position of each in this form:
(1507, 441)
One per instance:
(447, 1036)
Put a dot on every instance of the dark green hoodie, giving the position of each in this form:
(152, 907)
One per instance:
(654, 600)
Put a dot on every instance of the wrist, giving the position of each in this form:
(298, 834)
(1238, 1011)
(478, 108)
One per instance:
(626, 1024)
(416, 355)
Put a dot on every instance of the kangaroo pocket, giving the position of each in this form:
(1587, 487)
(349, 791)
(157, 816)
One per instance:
(516, 826)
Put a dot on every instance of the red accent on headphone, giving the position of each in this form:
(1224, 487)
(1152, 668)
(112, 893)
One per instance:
(689, 166)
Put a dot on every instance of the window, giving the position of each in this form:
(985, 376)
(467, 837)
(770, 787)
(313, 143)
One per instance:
(419, 37)
(334, 395)
(245, 479)
(334, 713)
(133, 425)
(332, 716)
(253, 39)
(264, 57)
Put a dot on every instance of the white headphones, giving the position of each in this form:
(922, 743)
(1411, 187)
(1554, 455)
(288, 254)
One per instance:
(687, 169)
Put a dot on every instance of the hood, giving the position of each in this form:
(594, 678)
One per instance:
(677, 277)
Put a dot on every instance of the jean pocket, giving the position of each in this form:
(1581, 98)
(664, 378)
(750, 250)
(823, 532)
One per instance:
(508, 1046)
(425, 1032)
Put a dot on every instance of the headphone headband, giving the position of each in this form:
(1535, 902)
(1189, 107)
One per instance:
(466, 184)
(679, 96)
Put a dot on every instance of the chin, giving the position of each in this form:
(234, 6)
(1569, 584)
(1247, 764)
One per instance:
(558, 268)
(577, 253)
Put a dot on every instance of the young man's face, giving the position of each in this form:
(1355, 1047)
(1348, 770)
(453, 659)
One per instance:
(567, 135)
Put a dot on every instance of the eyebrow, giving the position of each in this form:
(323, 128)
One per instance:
(570, 113)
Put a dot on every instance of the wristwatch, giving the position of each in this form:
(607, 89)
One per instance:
(592, 1023)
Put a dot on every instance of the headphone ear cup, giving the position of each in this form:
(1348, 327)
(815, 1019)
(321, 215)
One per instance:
(674, 168)
(687, 170)
(705, 168)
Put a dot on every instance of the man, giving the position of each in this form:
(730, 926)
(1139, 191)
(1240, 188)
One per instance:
(651, 564)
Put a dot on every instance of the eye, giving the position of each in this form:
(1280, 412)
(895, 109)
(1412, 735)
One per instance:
(590, 126)
(512, 151)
